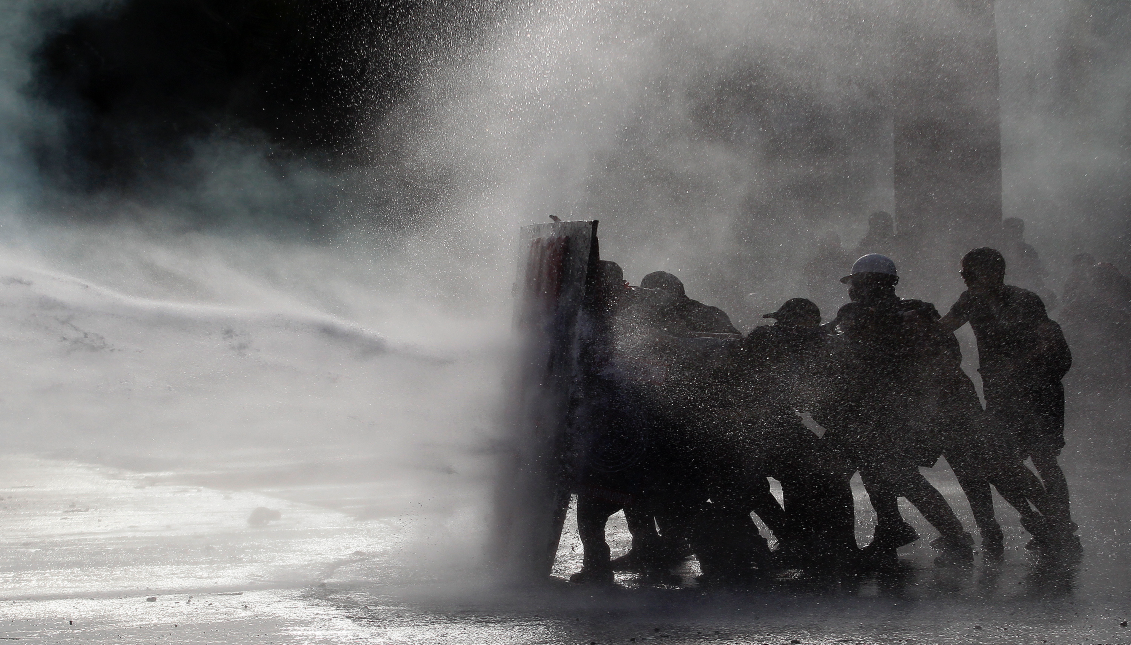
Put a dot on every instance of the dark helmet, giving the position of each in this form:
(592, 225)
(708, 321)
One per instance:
(873, 263)
(798, 312)
(662, 281)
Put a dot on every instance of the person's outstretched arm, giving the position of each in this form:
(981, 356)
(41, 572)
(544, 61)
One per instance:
(958, 314)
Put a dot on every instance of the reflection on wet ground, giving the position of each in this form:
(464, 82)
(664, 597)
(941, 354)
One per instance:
(90, 554)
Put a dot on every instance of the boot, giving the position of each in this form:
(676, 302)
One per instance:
(1060, 542)
(1044, 536)
(955, 549)
(651, 554)
(881, 553)
(595, 567)
(731, 553)
(592, 576)
(993, 543)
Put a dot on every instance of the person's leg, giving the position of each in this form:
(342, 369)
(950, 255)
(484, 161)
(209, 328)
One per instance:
(818, 508)
(1016, 483)
(1004, 460)
(931, 503)
(592, 516)
(655, 478)
(797, 540)
(821, 523)
(836, 517)
(892, 531)
(642, 526)
(1056, 487)
(649, 548)
(675, 519)
(659, 537)
(653, 552)
(976, 486)
(839, 505)
(729, 548)
(1021, 489)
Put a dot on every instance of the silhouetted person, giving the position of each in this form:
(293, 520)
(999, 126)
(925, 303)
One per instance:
(1097, 318)
(822, 272)
(980, 453)
(669, 343)
(1023, 357)
(666, 307)
(609, 428)
(1078, 286)
(746, 435)
(1111, 286)
(1112, 317)
(615, 438)
(1025, 267)
(882, 348)
(780, 368)
(880, 237)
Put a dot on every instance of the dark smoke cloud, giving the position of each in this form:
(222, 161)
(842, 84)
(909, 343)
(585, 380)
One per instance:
(152, 97)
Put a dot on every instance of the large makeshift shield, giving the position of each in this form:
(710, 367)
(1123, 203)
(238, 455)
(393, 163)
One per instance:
(537, 476)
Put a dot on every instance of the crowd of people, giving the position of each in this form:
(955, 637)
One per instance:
(681, 422)
(1096, 310)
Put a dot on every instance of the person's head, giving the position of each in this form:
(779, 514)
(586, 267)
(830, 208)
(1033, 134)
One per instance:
(1082, 261)
(881, 224)
(1013, 228)
(610, 273)
(829, 241)
(873, 277)
(797, 312)
(662, 287)
(609, 280)
(983, 269)
(1106, 275)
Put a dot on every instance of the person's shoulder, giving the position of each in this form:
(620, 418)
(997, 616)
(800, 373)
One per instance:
(714, 311)
(920, 307)
(760, 332)
(714, 319)
(848, 312)
(1019, 294)
(758, 337)
(722, 321)
(1025, 300)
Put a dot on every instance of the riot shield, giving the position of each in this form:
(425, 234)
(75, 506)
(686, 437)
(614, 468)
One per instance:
(536, 478)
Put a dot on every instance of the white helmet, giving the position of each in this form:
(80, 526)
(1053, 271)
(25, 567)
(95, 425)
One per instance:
(872, 263)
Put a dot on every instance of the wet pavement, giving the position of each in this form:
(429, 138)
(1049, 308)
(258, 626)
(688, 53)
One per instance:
(95, 554)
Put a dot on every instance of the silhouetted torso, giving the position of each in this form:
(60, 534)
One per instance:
(881, 352)
(778, 366)
(1005, 324)
(1024, 265)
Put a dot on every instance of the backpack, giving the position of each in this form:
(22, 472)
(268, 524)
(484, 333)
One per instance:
(1054, 357)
